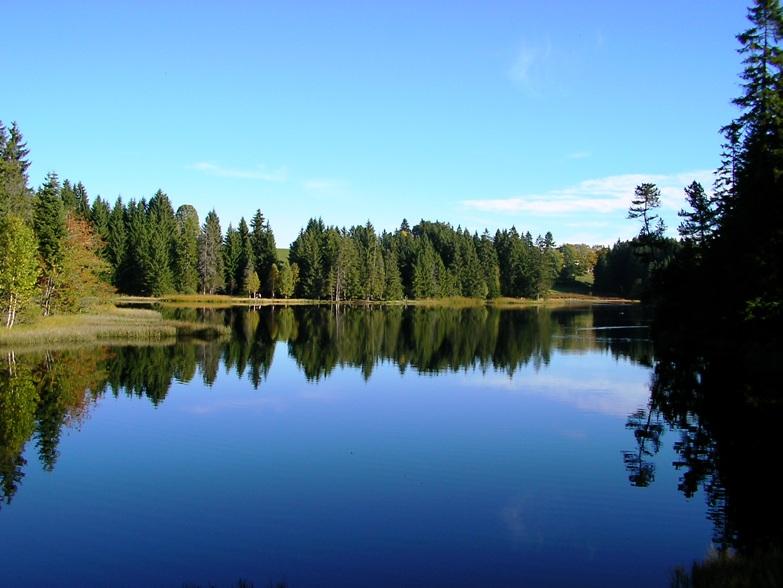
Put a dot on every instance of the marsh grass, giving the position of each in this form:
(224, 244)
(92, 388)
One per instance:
(106, 324)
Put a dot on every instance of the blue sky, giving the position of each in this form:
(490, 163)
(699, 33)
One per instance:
(544, 115)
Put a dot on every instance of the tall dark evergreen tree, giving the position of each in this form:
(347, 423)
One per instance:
(82, 207)
(186, 278)
(306, 253)
(246, 261)
(160, 245)
(49, 226)
(264, 247)
(232, 250)
(133, 277)
(699, 222)
(210, 258)
(99, 217)
(116, 244)
(15, 195)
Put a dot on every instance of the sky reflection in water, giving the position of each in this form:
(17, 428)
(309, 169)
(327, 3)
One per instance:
(494, 475)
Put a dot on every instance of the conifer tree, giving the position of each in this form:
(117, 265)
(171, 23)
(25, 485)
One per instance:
(82, 207)
(49, 226)
(186, 277)
(68, 196)
(210, 258)
(393, 289)
(99, 216)
(306, 253)
(15, 196)
(490, 267)
(116, 243)
(134, 279)
(263, 245)
(160, 244)
(232, 250)
(698, 224)
(246, 261)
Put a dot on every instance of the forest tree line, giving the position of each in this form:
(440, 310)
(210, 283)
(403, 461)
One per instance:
(60, 250)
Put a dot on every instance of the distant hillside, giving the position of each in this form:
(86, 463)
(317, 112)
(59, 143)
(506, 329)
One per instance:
(282, 254)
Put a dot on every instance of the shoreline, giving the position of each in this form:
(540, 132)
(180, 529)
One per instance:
(106, 324)
(226, 301)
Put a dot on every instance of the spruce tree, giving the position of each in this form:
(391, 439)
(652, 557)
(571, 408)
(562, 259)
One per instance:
(68, 196)
(15, 195)
(186, 279)
(159, 259)
(246, 262)
(99, 216)
(393, 289)
(232, 250)
(133, 276)
(117, 242)
(82, 207)
(263, 245)
(490, 267)
(210, 258)
(49, 226)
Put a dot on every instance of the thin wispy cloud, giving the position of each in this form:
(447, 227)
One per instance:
(602, 195)
(259, 172)
(528, 69)
(579, 155)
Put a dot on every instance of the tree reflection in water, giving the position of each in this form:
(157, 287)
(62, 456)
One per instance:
(726, 410)
(43, 392)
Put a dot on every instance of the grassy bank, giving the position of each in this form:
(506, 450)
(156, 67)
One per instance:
(556, 298)
(106, 324)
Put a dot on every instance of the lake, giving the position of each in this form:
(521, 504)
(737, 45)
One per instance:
(357, 446)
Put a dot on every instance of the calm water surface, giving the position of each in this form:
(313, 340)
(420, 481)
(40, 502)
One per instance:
(353, 448)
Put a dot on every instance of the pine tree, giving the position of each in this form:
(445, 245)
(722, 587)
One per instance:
(82, 201)
(18, 266)
(246, 261)
(210, 258)
(186, 277)
(15, 196)
(232, 250)
(49, 226)
(68, 196)
(647, 198)
(490, 267)
(471, 274)
(426, 270)
(133, 275)
(99, 216)
(116, 243)
(263, 245)
(160, 245)
(698, 224)
(306, 254)
(393, 289)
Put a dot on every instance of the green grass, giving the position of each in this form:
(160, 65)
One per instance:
(106, 324)
(282, 254)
